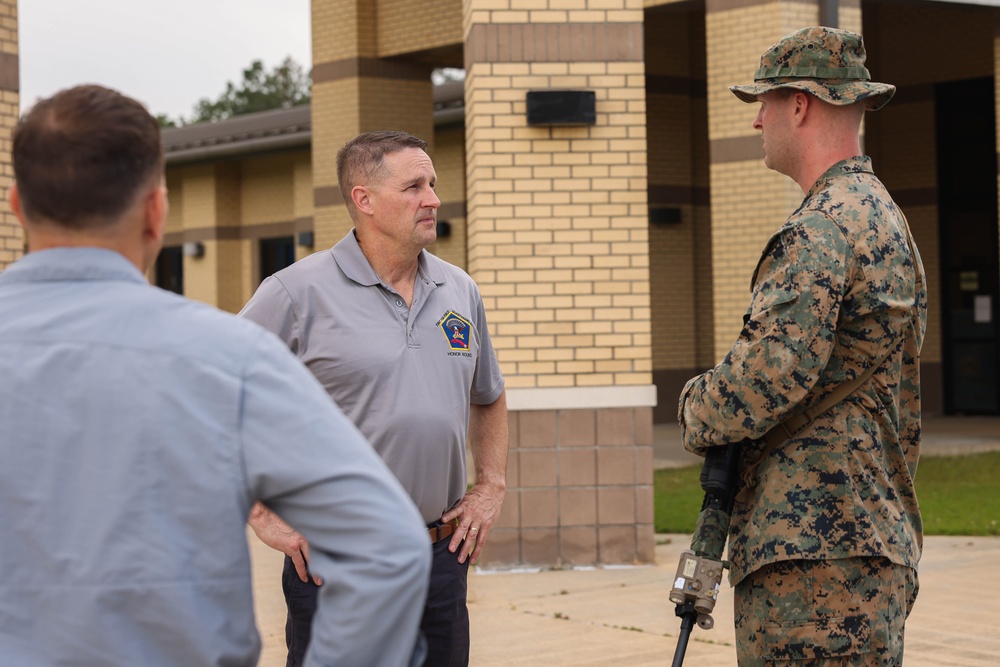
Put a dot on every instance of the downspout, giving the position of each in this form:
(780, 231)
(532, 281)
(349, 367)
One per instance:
(829, 11)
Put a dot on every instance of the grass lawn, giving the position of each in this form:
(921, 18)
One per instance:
(958, 496)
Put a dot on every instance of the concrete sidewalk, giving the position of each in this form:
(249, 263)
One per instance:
(621, 615)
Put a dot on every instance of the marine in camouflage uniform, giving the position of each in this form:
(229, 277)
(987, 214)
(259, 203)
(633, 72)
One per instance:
(826, 533)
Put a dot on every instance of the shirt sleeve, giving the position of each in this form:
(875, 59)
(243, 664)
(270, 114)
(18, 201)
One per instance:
(309, 464)
(272, 307)
(488, 382)
(785, 344)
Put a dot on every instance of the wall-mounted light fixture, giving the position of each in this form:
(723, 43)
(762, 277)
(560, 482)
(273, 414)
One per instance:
(443, 229)
(306, 239)
(194, 249)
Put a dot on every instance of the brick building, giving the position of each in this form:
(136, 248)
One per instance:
(614, 255)
(11, 237)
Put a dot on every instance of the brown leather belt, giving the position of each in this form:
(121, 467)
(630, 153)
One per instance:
(441, 532)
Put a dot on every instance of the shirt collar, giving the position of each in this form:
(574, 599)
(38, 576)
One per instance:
(72, 264)
(355, 266)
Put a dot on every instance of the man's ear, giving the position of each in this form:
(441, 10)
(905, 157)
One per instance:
(801, 106)
(14, 197)
(362, 199)
(154, 213)
(154, 221)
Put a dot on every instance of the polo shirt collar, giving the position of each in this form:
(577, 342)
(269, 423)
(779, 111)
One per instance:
(347, 253)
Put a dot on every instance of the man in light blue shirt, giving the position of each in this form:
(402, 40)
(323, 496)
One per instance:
(137, 429)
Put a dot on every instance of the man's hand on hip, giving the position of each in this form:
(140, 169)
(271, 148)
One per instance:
(278, 535)
(476, 514)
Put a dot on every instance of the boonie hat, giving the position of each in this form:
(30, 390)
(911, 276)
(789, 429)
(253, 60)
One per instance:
(826, 62)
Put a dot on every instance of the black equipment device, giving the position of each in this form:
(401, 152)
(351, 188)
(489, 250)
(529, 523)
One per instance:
(699, 573)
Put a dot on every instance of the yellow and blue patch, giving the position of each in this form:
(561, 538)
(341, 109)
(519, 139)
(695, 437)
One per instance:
(457, 330)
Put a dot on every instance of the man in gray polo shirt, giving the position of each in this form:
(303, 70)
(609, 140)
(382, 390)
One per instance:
(399, 340)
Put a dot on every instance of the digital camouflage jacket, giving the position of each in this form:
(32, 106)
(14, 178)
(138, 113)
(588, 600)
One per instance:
(837, 287)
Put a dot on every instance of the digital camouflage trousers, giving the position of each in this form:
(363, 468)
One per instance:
(846, 613)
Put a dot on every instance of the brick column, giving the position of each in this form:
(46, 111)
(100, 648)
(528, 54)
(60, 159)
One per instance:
(354, 90)
(749, 202)
(11, 235)
(558, 242)
(211, 206)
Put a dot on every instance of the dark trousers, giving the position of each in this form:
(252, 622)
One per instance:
(445, 623)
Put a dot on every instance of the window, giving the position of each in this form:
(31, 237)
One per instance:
(276, 254)
(170, 269)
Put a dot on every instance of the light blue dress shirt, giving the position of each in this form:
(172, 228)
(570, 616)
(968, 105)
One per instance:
(137, 428)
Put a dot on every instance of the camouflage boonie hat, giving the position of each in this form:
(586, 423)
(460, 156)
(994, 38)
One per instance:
(826, 62)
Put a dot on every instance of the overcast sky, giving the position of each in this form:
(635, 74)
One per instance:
(167, 54)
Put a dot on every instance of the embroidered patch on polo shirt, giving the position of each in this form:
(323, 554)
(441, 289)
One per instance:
(456, 329)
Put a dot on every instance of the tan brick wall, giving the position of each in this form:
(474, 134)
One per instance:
(11, 236)
(210, 200)
(559, 244)
(191, 201)
(449, 163)
(8, 27)
(303, 208)
(342, 30)
(302, 185)
(558, 235)
(405, 26)
(267, 189)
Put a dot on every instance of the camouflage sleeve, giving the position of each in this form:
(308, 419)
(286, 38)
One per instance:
(785, 344)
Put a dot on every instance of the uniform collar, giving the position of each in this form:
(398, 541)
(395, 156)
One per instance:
(861, 164)
(347, 253)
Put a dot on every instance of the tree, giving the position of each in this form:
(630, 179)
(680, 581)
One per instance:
(445, 74)
(166, 121)
(287, 85)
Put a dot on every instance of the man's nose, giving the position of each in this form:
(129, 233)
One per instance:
(433, 201)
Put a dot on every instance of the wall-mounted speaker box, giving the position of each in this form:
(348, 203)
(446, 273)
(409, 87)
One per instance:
(561, 107)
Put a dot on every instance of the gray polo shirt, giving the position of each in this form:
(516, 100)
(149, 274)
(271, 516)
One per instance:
(405, 376)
